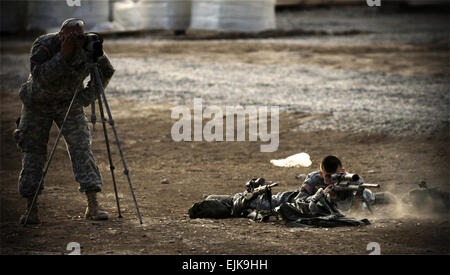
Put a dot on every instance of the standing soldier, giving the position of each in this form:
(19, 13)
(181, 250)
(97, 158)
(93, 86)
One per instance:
(59, 65)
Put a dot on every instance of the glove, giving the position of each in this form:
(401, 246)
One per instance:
(86, 96)
(331, 195)
(318, 195)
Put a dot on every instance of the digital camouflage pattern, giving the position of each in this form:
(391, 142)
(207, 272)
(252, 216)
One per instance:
(344, 199)
(220, 206)
(46, 97)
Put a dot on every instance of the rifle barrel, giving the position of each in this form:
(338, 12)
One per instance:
(373, 185)
(355, 187)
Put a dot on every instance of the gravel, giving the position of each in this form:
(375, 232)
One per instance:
(355, 101)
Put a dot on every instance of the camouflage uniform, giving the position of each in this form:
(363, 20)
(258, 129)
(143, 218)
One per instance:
(46, 97)
(310, 186)
(344, 199)
(239, 201)
(301, 198)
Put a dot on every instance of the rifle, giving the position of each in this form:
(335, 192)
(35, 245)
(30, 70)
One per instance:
(258, 187)
(352, 183)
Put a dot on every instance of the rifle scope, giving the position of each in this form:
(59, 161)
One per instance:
(345, 177)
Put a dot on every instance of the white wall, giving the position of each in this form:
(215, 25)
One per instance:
(233, 15)
(48, 15)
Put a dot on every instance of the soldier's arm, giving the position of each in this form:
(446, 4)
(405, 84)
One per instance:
(306, 190)
(44, 67)
(105, 69)
(305, 194)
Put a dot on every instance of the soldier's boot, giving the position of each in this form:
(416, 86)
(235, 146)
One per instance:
(93, 210)
(33, 218)
(385, 198)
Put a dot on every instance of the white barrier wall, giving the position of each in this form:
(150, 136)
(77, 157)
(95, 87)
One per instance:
(222, 15)
(47, 15)
(165, 14)
(126, 15)
(233, 15)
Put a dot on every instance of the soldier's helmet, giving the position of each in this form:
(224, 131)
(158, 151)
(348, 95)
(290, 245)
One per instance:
(73, 22)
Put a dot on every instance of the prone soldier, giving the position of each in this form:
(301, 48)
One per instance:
(323, 184)
(307, 200)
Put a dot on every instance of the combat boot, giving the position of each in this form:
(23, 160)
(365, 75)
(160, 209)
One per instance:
(93, 211)
(34, 217)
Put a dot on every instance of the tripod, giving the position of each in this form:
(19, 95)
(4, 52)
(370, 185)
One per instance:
(100, 95)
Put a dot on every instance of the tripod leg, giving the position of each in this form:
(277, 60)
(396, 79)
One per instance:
(111, 165)
(47, 165)
(111, 122)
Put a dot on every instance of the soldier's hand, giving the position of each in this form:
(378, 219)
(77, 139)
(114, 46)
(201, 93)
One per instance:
(318, 195)
(70, 45)
(329, 192)
(85, 97)
(256, 192)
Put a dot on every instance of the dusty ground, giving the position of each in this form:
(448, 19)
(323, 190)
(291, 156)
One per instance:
(195, 169)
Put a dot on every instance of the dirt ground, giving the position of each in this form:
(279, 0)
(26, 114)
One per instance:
(196, 169)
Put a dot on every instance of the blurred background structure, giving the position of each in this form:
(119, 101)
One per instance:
(177, 15)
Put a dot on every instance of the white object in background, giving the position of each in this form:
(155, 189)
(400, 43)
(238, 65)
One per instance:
(48, 15)
(107, 26)
(127, 15)
(165, 14)
(233, 15)
(297, 160)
